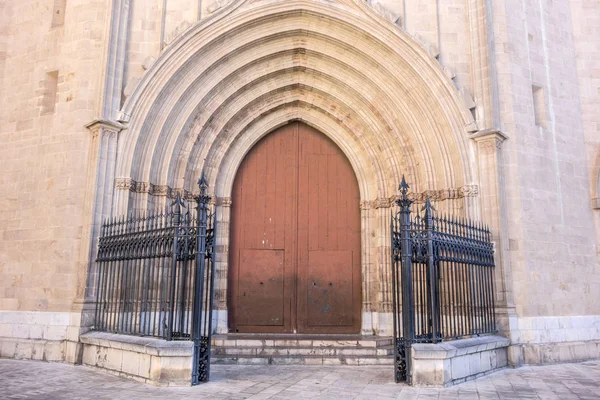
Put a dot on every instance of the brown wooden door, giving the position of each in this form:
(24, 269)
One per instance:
(295, 237)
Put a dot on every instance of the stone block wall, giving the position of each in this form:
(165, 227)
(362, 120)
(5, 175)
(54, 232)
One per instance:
(454, 362)
(551, 238)
(147, 360)
(50, 70)
(585, 18)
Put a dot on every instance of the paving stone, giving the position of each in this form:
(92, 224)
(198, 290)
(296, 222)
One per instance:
(40, 380)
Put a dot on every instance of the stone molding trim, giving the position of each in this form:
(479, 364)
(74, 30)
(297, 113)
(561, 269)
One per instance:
(134, 186)
(434, 195)
(382, 202)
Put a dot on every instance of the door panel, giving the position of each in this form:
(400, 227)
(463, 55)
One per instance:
(296, 228)
(263, 217)
(328, 238)
(261, 287)
(330, 289)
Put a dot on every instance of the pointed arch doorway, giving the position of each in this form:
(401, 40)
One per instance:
(295, 237)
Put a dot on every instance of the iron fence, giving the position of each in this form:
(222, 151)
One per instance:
(442, 279)
(156, 276)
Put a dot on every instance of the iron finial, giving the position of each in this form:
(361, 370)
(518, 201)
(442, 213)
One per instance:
(203, 183)
(403, 201)
(403, 185)
(178, 203)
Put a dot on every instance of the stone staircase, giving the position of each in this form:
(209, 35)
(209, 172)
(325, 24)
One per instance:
(302, 349)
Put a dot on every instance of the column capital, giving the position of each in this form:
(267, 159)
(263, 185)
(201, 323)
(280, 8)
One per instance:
(100, 124)
(489, 141)
(489, 134)
(223, 201)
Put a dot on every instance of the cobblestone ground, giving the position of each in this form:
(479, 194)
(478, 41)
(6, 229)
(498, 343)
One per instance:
(39, 380)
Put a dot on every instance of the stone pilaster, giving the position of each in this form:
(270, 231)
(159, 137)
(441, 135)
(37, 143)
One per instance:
(493, 209)
(484, 91)
(98, 202)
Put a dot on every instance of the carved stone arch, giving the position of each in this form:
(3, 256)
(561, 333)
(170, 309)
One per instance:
(438, 99)
(337, 66)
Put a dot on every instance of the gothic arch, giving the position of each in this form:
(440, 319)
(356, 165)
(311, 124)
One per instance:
(337, 66)
(339, 59)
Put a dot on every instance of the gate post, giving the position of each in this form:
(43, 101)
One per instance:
(200, 335)
(176, 229)
(406, 272)
(432, 276)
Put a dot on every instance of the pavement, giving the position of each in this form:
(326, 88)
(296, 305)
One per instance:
(41, 380)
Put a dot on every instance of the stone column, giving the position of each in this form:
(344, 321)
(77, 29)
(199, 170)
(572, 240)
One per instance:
(367, 323)
(220, 313)
(98, 204)
(493, 209)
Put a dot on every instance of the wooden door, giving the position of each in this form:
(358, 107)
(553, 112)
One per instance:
(295, 237)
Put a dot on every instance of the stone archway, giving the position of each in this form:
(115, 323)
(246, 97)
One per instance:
(256, 65)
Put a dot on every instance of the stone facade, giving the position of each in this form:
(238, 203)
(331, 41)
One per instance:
(109, 106)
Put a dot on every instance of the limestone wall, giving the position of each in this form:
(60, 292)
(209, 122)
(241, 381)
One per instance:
(551, 238)
(50, 70)
(585, 16)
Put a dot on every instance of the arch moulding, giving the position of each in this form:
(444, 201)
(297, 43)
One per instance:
(255, 65)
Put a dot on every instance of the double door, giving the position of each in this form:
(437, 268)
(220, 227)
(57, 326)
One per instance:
(294, 259)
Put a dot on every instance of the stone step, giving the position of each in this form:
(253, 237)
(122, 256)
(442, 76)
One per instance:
(262, 340)
(302, 360)
(265, 349)
(303, 351)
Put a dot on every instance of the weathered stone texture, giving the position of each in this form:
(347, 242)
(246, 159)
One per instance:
(43, 156)
(553, 251)
(585, 17)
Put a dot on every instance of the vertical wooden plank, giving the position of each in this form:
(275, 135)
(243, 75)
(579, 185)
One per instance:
(270, 216)
(306, 202)
(332, 212)
(323, 204)
(279, 195)
(248, 181)
(292, 226)
(261, 192)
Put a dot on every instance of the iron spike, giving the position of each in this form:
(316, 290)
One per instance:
(482, 231)
(403, 185)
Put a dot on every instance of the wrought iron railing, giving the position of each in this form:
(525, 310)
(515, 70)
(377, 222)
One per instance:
(442, 279)
(151, 281)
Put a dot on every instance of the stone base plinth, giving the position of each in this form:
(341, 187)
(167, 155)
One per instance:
(554, 353)
(155, 361)
(450, 363)
(33, 349)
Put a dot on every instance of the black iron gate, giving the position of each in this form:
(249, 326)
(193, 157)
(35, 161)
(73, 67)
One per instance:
(156, 276)
(442, 279)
